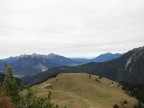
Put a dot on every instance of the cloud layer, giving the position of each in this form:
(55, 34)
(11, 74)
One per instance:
(73, 28)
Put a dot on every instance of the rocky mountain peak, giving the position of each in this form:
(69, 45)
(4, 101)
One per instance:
(52, 55)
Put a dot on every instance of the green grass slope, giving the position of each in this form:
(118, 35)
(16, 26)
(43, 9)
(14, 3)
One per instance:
(78, 90)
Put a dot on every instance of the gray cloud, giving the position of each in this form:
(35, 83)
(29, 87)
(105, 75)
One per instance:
(70, 27)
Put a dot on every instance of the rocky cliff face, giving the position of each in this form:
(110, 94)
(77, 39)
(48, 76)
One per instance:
(134, 65)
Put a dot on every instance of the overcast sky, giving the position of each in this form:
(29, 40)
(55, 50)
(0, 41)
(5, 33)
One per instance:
(73, 28)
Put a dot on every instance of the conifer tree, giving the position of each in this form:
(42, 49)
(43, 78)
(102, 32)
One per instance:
(11, 86)
(27, 99)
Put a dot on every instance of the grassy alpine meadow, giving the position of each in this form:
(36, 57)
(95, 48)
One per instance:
(80, 90)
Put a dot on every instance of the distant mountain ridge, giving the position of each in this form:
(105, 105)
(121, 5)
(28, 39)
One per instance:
(11, 59)
(127, 68)
(106, 57)
(101, 58)
(37, 63)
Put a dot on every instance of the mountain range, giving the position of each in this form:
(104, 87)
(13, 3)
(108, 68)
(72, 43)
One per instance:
(101, 58)
(127, 68)
(35, 63)
(27, 65)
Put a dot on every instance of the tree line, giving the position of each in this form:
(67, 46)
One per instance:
(135, 90)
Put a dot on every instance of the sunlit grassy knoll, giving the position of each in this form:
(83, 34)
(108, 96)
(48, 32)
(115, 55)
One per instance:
(79, 90)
